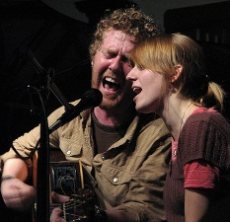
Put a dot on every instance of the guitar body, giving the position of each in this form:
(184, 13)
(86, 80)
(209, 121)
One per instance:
(71, 179)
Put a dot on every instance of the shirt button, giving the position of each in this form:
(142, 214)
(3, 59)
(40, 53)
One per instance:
(68, 152)
(103, 157)
(115, 180)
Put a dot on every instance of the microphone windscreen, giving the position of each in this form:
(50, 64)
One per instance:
(92, 97)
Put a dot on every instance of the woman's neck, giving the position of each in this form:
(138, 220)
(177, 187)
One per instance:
(175, 114)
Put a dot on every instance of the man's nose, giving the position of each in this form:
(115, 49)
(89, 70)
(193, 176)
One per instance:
(116, 64)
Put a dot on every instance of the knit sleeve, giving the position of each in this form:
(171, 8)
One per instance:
(206, 136)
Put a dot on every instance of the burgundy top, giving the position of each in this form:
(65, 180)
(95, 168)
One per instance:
(205, 137)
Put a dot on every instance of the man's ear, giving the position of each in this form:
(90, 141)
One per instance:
(176, 73)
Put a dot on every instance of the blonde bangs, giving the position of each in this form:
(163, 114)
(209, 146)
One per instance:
(156, 54)
(138, 56)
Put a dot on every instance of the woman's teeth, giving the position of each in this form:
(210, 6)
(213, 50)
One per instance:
(137, 90)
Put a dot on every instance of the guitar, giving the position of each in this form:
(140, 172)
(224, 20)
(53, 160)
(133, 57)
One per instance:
(72, 179)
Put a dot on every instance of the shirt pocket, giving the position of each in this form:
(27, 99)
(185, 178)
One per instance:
(70, 148)
(115, 183)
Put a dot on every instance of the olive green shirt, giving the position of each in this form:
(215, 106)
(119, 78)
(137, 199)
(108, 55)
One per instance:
(130, 175)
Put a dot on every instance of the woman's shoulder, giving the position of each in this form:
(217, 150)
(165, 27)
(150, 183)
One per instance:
(206, 135)
(210, 117)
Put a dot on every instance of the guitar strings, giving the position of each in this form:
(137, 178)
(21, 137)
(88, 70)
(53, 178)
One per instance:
(69, 206)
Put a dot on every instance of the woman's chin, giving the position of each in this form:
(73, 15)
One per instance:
(141, 109)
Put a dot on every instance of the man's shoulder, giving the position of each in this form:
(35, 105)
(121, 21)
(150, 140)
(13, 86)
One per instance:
(153, 123)
(154, 131)
(154, 134)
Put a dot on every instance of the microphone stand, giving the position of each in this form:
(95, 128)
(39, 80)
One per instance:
(43, 195)
(43, 180)
(90, 98)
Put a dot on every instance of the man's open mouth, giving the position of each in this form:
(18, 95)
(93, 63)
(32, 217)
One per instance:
(111, 83)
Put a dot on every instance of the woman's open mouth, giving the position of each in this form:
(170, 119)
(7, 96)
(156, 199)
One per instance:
(136, 90)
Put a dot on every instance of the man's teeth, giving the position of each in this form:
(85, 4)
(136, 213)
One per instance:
(110, 82)
(109, 79)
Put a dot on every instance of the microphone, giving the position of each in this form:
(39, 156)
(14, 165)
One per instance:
(90, 98)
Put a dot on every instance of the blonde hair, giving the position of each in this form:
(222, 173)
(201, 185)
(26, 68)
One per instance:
(164, 52)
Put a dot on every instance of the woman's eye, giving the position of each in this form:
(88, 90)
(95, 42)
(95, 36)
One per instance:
(131, 63)
(140, 67)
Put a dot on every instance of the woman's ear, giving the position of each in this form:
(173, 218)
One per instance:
(176, 73)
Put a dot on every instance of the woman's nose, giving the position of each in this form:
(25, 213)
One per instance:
(130, 76)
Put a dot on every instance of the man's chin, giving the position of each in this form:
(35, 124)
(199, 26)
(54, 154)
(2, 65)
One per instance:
(116, 105)
(108, 105)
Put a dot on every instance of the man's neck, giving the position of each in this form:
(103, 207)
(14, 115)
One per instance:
(113, 118)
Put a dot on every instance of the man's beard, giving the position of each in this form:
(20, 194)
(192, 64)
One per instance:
(120, 103)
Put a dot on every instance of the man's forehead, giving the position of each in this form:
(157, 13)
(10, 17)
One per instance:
(115, 40)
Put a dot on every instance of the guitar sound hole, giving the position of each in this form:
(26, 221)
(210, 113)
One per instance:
(64, 179)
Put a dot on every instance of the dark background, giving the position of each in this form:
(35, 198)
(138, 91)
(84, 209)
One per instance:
(31, 31)
(209, 25)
